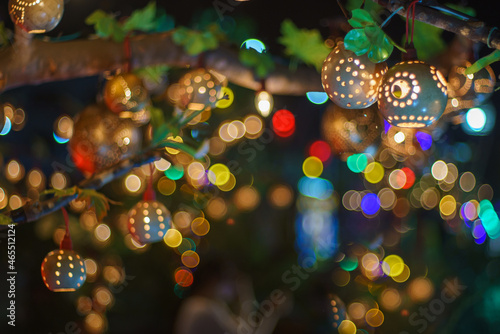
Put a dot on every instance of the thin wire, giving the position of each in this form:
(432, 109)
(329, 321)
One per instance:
(390, 17)
(413, 20)
(347, 16)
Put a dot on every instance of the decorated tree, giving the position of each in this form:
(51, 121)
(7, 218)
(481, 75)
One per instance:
(343, 158)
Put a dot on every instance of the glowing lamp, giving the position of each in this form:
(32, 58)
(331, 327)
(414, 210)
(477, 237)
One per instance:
(284, 123)
(148, 221)
(264, 103)
(36, 16)
(125, 92)
(413, 94)
(200, 89)
(351, 81)
(63, 270)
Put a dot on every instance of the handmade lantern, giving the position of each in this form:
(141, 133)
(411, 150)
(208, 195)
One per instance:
(36, 16)
(199, 89)
(63, 270)
(351, 81)
(101, 139)
(125, 92)
(412, 95)
(148, 221)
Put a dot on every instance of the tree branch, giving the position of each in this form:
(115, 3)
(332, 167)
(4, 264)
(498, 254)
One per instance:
(476, 31)
(51, 61)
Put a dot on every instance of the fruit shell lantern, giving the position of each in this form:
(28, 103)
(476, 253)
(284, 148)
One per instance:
(351, 131)
(36, 16)
(101, 139)
(413, 94)
(148, 221)
(470, 89)
(63, 270)
(200, 89)
(351, 81)
(125, 92)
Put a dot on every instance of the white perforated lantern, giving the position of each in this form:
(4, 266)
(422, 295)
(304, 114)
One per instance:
(36, 16)
(351, 81)
(413, 94)
(63, 270)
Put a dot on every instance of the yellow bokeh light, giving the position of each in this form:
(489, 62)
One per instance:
(397, 179)
(393, 265)
(467, 182)
(403, 277)
(35, 178)
(280, 196)
(216, 208)
(90, 267)
(172, 238)
(190, 259)
(447, 205)
(218, 174)
(200, 226)
(177, 139)
(347, 327)
(227, 98)
(94, 323)
(236, 129)
(356, 310)
(229, 185)
(196, 171)
(133, 183)
(374, 317)
(390, 299)
(420, 290)
(374, 172)
(166, 186)
(58, 180)
(312, 167)
(439, 170)
(162, 164)
(15, 202)
(254, 126)
(182, 219)
(246, 198)
(4, 199)
(102, 232)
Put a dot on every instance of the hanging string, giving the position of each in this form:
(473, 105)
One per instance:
(409, 12)
(127, 50)
(66, 242)
(362, 5)
(414, 3)
(149, 194)
(344, 11)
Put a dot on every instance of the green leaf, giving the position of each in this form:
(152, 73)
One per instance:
(98, 201)
(428, 40)
(60, 192)
(306, 45)
(195, 42)
(370, 6)
(142, 19)
(164, 22)
(106, 26)
(262, 63)
(161, 133)
(153, 73)
(361, 18)
(5, 220)
(357, 41)
(483, 62)
(157, 117)
(95, 17)
(5, 35)
(463, 9)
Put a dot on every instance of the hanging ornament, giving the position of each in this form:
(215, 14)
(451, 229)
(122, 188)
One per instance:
(125, 92)
(351, 81)
(36, 16)
(412, 95)
(101, 139)
(149, 220)
(200, 89)
(351, 131)
(468, 90)
(63, 269)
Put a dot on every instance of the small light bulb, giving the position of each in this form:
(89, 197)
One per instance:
(264, 103)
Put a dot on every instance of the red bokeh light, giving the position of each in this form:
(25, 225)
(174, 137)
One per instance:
(410, 177)
(283, 123)
(183, 277)
(321, 150)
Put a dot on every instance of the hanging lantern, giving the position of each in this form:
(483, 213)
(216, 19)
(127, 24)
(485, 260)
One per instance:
(412, 95)
(149, 221)
(63, 270)
(125, 92)
(36, 16)
(101, 139)
(351, 131)
(200, 89)
(351, 81)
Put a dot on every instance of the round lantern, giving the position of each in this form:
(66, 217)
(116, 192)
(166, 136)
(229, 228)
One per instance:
(101, 139)
(148, 221)
(63, 270)
(351, 131)
(125, 92)
(468, 90)
(36, 16)
(412, 95)
(199, 89)
(351, 81)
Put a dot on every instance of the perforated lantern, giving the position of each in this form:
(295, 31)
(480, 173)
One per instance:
(148, 221)
(200, 89)
(101, 139)
(63, 270)
(413, 94)
(125, 92)
(36, 16)
(351, 81)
